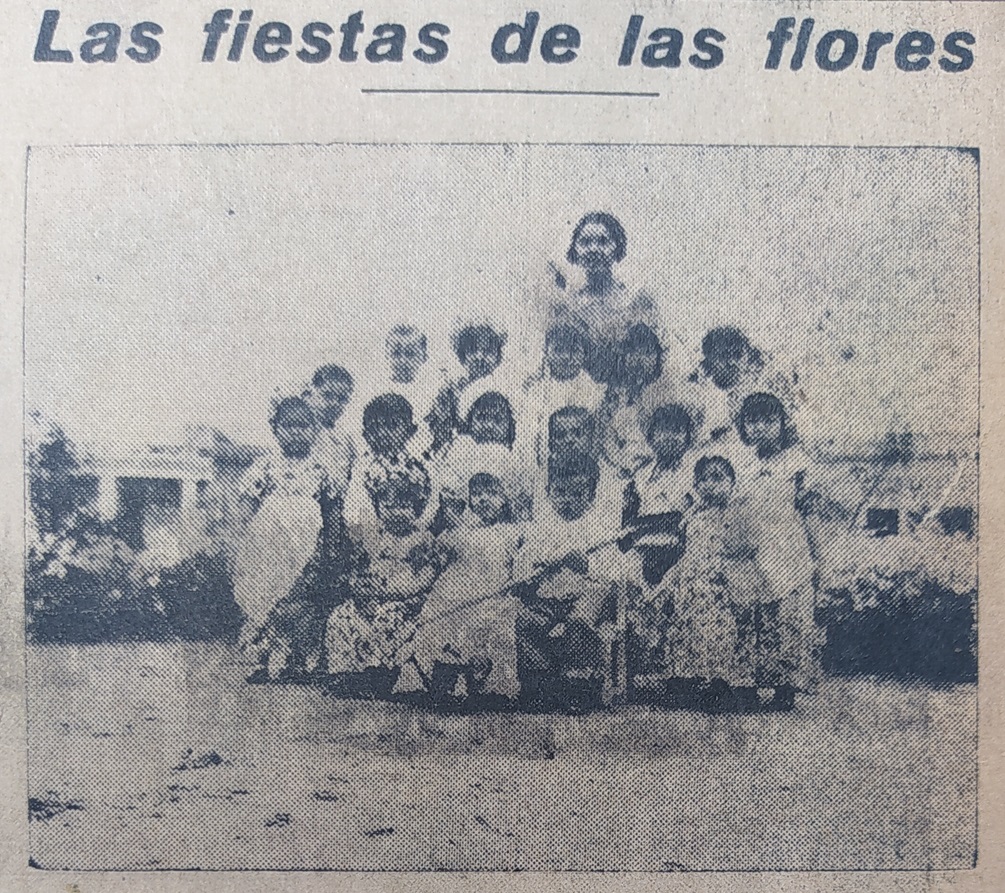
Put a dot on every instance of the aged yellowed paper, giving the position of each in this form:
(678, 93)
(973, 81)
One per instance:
(524, 445)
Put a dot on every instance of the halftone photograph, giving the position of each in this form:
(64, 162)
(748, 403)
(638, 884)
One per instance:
(411, 507)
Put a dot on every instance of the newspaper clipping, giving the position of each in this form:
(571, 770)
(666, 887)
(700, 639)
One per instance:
(503, 440)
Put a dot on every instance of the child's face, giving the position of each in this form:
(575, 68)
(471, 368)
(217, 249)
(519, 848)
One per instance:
(727, 367)
(406, 355)
(640, 366)
(570, 496)
(569, 434)
(489, 426)
(388, 436)
(488, 502)
(395, 508)
(764, 430)
(595, 247)
(481, 359)
(564, 357)
(296, 431)
(329, 400)
(669, 443)
(714, 487)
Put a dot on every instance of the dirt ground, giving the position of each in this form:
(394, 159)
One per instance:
(161, 756)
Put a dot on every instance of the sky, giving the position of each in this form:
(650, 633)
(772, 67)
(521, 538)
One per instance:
(175, 286)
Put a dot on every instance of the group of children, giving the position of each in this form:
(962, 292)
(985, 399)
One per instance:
(606, 528)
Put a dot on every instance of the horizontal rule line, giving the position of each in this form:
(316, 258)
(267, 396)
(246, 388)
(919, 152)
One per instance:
(375, 90)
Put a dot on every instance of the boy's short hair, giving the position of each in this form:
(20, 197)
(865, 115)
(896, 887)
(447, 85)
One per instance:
(332, 373)
(471, 337)
(494, 402)
(288, 405)
(728, 341)
(672, 416)
(386, 406)
(702, 466)
(407, 333)
(613, 227)
(575, 466)
(761, 406)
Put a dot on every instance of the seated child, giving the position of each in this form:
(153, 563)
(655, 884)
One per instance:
(370, 636)
(282, 496)
(568, 622)
(465, 643)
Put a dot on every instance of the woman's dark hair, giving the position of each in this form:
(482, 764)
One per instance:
(471, 338)
(329, 373)
(702, 466)
(728, 341)
(387, 406)
(288, 405)
(611, 224)
(764, 406)
(671, 416)
(495, 403)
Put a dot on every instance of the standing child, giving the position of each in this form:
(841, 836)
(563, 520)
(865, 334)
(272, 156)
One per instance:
(331, 389)
(388, 429)
(717, 573)
(466, 642)
(662, 484)
(636, 364)
(282, 494)
(406, 350)
(781, 635)
(479, 348)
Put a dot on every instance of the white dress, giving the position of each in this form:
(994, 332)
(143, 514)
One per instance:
(281, 536)
(466, 608)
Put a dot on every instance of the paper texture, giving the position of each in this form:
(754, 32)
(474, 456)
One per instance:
(497, 442)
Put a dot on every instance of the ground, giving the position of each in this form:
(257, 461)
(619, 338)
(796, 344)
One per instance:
(161, 756)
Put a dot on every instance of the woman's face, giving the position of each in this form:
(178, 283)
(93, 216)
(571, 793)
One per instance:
(595, 247)
(565, 358)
